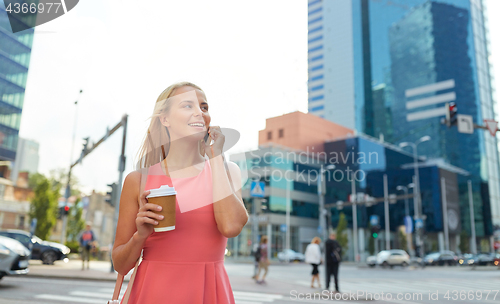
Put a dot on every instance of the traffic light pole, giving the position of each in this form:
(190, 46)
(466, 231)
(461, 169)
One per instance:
(86, 151)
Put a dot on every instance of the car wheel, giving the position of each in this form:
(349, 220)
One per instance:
(404, 264)
(371, 265)
(385, 264)
(48, 257)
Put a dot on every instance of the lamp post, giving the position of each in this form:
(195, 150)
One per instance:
(407, 214)
(321, 193)
(417, 184)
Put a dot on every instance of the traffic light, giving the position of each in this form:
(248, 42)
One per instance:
(63, 211)
(66, 210)
(110, 195)
(375, 230)
(451, 114)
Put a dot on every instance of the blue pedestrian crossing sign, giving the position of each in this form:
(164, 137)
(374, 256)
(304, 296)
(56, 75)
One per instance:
(408, 224)
(257, 189)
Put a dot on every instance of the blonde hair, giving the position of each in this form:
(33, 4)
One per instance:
(316, 240)
(149, 154)
(263, 239)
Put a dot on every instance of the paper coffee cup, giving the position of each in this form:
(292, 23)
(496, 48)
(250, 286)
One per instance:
(164, 197)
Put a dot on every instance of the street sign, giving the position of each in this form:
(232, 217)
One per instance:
(465, 124)
(419, 223)
(492, 126)
(257, 189)
(374, 220)
(33, 226)
(408, 224)
(283, 227)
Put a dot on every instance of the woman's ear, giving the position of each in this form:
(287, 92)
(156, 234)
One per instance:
(164, 121)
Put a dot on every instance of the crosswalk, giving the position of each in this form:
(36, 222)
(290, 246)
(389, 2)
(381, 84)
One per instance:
(103, 294)
(486, 291)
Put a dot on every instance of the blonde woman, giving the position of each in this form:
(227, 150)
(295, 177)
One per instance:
(184, 265)
(264, 261)
(313, 257)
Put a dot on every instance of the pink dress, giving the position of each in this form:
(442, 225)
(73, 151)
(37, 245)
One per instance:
(185, 265)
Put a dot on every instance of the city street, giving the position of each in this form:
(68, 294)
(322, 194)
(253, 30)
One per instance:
(285, 284)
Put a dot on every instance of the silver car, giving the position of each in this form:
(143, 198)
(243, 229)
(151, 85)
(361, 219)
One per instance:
(14, 257)
(394, 257)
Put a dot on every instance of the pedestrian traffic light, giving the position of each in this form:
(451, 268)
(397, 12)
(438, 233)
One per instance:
(63, 211)
(451, 114)
(66, 210)
(375, 229)
(110, 195)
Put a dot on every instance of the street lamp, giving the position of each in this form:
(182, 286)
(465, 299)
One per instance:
(417, 182)
(407, 213)
(321, 193)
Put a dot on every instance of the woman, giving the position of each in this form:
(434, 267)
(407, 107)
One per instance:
(313, 257)
(263, 261)
(184, 265)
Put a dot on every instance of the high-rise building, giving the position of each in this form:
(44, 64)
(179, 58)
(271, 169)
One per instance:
(387, 69)
(15, 52)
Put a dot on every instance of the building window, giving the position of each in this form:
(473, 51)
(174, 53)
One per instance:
(269, 135)
(280, 133)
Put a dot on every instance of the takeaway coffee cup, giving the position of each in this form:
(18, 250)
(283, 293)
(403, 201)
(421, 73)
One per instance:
(164, 197)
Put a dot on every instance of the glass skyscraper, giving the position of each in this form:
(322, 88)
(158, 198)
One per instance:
(387, 68)
(15, 51)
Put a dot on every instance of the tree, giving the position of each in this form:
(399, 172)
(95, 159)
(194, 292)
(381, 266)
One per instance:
(341, 233)
(464, 242)
(60, 175)
(402, 240)
(75, 222)
(43, 206)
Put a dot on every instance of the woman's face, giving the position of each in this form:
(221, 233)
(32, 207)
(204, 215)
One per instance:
(188, 115)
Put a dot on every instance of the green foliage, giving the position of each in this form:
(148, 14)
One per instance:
(464, 242)
(341, 233)
(74, 246)
(60, 176)
(485, 245)
(402, 240)
(75, 223)
(43, 206)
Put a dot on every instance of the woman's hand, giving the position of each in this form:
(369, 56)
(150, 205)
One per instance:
(216, 148)
(146, 218)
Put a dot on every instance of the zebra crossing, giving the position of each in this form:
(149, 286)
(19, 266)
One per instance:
(486, 291)
(103, 294)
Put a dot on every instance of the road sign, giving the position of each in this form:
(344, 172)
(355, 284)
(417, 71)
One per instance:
(408, 224)
(419, 223)
(465, 124)
(492, 126)
(283, 227)
(257, 189)
(374, 220)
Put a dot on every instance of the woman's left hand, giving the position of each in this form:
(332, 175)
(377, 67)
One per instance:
(216, 148)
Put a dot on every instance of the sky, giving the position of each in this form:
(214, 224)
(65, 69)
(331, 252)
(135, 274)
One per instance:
(250, 58)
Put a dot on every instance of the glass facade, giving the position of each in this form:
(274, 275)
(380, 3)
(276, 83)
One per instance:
(15, 51)
(407, 59)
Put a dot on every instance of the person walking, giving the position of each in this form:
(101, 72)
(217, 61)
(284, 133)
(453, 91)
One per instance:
(313, 257)
(263, 261)
(333, 257)
(87, 239)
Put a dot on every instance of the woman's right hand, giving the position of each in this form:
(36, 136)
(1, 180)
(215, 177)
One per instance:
(146, 218)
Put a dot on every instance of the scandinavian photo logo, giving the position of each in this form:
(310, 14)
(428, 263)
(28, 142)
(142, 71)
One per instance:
(26, 14)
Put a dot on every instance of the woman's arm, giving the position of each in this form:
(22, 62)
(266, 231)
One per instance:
(229, 210)
(135, 223)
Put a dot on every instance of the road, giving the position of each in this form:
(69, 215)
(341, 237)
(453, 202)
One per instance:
(290, 284)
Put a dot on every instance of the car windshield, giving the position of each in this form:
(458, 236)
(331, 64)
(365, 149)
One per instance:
(433, 255)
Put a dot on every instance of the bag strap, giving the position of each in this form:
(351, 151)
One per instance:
(119, 283)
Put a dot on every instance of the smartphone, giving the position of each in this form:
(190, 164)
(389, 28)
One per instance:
(206, 135)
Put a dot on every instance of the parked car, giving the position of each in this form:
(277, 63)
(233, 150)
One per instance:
(290, 255)
(47, 252)
(466, 259)
(394, 257)
(484, 259)
(14, 257)
(441, 258)
(371, 260)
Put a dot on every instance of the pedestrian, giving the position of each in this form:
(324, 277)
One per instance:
(87, 239)
(313, 257)
(257, 259)
(263, 261)
(181, 150)
(333, 252)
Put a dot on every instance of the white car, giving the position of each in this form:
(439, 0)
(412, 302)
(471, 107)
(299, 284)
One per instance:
(14, 257)
(290, 255)
(394, 257)
(371, 261)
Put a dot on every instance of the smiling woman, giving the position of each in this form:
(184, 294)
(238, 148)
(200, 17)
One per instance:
(186, 263)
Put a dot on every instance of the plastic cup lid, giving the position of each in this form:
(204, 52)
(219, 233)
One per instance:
(162, 191)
